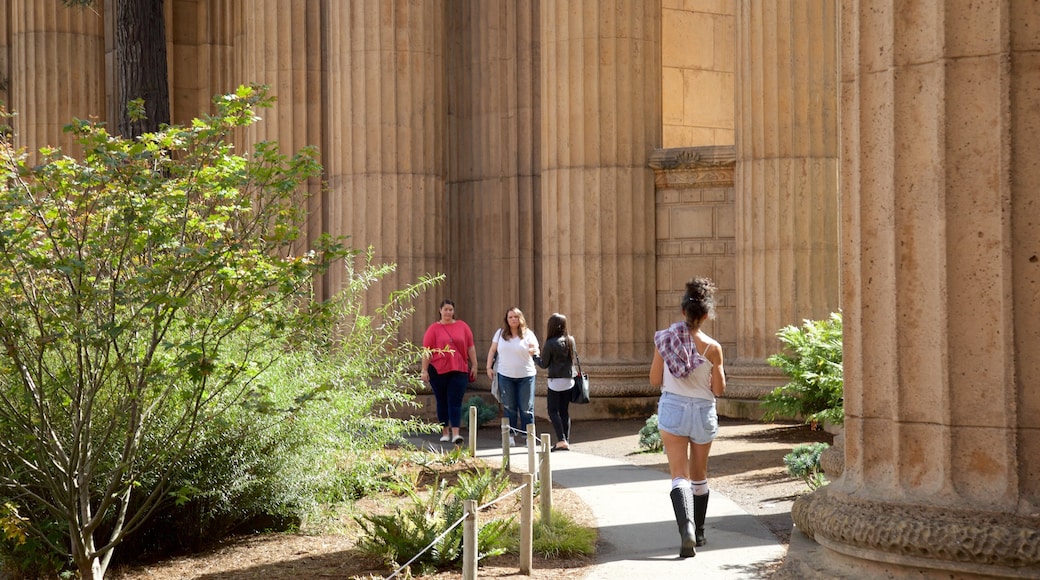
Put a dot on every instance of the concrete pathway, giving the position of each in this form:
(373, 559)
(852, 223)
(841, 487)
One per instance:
(638, 534)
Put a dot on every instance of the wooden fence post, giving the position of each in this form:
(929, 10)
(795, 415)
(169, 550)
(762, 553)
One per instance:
(545, 473)
(532, 457)
(473, 431)
(469, 540)
(505, 443)
(527, 525)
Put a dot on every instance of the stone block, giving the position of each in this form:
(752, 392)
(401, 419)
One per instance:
(709, 96)
(691, 222)
(687, 40)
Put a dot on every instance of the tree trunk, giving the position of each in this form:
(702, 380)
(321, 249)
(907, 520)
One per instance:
(141, 71)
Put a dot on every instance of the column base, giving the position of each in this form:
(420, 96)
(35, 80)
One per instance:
(746, 383)
(884, 539)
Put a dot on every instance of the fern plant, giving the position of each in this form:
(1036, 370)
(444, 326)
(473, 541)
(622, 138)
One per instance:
(812, 362)
(405, 534)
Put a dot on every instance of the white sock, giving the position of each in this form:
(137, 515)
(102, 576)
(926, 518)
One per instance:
(680, 482)
(700, 487)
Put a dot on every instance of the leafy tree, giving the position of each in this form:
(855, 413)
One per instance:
(124, 278)
(812, 361)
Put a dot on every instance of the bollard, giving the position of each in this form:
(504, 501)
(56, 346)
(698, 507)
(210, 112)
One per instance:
(545, 476)
(532, 456)
(469, 541)
(473, 431)
(527, 525)
(505, 443)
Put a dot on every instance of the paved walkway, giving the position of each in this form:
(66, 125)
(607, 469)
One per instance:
(638, 534)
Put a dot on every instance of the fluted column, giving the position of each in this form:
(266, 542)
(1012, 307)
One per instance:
(47, 97)
(386, 140)
(493, 191)
(786, 178)
(941, 105)
(601, 119)
(202, 58)
(279, 44)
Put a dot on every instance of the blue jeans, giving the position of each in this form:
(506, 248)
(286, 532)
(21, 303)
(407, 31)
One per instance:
(517, 397)
(449, 389)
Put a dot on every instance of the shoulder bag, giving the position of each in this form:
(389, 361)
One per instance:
(580, 390)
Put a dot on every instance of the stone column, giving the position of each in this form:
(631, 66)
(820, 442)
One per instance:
(386, 137)
(601, 120)
(44, 96)
(940, 193)
(201, 56)
(493, 193)
(786, 179)
(279, 44)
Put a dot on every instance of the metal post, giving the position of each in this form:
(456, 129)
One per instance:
(469, 541)
(527, 525)
(545, 475)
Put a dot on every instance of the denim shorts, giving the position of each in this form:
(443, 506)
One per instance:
(688, 417)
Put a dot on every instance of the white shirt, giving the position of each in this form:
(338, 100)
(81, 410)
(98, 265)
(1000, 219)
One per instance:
(514, 358)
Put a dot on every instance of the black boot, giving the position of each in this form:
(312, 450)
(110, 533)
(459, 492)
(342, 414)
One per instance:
(682, 503)
(700, 511)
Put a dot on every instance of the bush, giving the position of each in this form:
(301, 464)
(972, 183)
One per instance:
(560, 536)
(408, 532)
(650, 436)
(161, 340)
(812, 362)
(803, 462)
(485, 412)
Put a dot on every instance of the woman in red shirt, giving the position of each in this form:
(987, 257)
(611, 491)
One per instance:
(449, 345)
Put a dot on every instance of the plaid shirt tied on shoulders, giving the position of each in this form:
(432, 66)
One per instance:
(678, 349)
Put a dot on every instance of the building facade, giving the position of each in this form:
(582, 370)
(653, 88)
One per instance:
(589, 156)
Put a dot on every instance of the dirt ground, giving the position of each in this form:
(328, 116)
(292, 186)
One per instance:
(746, 465)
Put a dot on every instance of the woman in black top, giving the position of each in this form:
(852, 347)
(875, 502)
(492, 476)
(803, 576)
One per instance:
(557, 355)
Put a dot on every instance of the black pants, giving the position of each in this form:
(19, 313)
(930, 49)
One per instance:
(558, 404)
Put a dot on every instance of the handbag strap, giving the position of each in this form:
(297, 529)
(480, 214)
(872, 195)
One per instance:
(574, 350)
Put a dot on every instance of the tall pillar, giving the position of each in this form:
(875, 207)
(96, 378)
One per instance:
(46, 97)
(940, 193)
(786, 179)
(493, 190)
(279, 44)
(601, 120)
(201, 56)
(386, 138)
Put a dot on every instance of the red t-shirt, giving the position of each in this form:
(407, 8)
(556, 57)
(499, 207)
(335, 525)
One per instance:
(450, 344)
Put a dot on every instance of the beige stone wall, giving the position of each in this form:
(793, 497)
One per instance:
(698, 64)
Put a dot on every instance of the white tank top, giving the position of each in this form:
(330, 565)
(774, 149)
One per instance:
(697, 384)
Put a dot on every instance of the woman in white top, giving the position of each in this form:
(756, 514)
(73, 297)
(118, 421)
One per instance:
(515, 345)
(687, 366)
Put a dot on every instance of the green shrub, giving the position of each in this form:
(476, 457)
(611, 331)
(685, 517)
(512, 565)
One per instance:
(482, 485)
(561, 536)
(812, 363)
(803, 462)
(485, 412)
(650, 436)
(162, 342)
(404, 535)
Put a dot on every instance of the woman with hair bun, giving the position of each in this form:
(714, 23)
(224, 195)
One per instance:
(687, 366)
